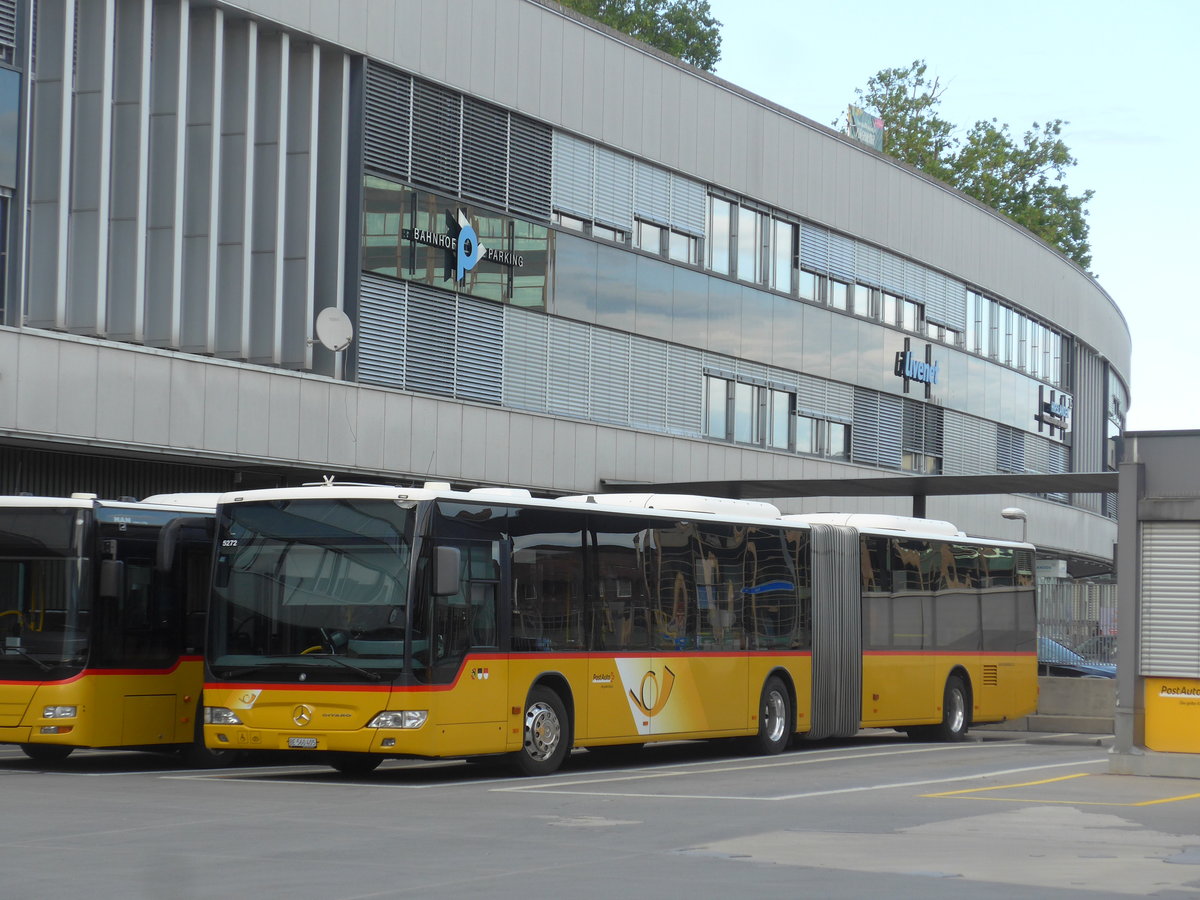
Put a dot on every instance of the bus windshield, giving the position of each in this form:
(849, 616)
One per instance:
(44, 611)
(312, 590)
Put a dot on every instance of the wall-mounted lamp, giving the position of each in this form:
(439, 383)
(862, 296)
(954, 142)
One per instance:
(1014, 512)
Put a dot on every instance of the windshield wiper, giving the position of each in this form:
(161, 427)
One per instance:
(291, 664)
(365, 673)
(29, 656)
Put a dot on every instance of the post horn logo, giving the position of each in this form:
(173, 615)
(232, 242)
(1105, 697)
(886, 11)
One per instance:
(470, 251)
(302, 714)
(650, 699)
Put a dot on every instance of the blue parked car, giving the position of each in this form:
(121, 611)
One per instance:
(1055, 659)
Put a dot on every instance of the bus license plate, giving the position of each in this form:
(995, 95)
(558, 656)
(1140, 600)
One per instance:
(302, 743)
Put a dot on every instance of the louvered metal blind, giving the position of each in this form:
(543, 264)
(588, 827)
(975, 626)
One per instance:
(684, 396)
(648, 392)
(525, 370)
(8, 23)
(431, 339)
(614, 180)
(923, 428)
(382, 331)
(1010, 449)
(484, 153)
(876, 435)
(567, 368)
(868, 264)
(841, 257)
(610, 377)
(653, 194)
(688, 203)
(1170, 613)
(386, 126)
(574, 175)
(436, 136)
(479, 351)
(967, 445)
(529, 168)
(814, 247)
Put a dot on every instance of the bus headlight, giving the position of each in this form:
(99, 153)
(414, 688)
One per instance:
(59, 712)
(400, 718)
(219, 715)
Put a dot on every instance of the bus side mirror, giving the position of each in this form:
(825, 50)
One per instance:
(221, 575)
(112, 578)
(446, 563)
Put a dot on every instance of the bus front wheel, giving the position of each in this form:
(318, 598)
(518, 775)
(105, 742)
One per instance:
(546, 736)
(46, 752)
(774, 718)
(355, 763)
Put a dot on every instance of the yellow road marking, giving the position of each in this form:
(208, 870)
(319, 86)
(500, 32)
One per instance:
(969, 792)
(1004, 787)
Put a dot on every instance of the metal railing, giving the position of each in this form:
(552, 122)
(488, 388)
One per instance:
(1080, 617)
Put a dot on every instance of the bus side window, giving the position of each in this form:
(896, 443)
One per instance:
(877, 575)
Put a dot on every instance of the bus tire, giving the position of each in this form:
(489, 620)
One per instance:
(774, 718)
(546, 734)
(355, 763)
(47, 752)
(197, 756)
(956, 718)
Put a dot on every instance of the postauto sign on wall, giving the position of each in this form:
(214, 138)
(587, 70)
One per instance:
(421, 236)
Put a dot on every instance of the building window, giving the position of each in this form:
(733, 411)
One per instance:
(890, 312)
(570, 222)
(683, 248)
(5, 315)
(821, 437)
(837, 442)
(716, 407)
(608, 234)
(839, 294)
(649, 237)
(861, 301)
(746, 415)
(922, 430)
(783, 254)
(922, 463)
(779, 419)
(720, 231)
(911, 316)
(749, 245)
(810, 286)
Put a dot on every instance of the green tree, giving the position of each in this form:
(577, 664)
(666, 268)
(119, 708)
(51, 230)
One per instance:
(1022, 178)
(913, 132)
(684, 28)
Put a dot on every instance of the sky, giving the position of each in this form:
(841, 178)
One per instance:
(1118, 73)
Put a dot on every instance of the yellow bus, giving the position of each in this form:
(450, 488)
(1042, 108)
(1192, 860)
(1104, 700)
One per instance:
(356, 623)
(102, 609)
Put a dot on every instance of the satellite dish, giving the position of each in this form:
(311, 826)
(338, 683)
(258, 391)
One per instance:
(334, 329)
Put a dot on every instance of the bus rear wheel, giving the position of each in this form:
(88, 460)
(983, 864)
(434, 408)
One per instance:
(546, 736)
(956, 703)
(774, 718)
(47, 752)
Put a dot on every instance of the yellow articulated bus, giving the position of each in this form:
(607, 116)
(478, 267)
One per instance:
(102, 608)
(356, 623)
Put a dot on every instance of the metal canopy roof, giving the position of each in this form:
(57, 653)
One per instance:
(915, 486)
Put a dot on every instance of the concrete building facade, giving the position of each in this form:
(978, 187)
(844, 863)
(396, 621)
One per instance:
(565, 257)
